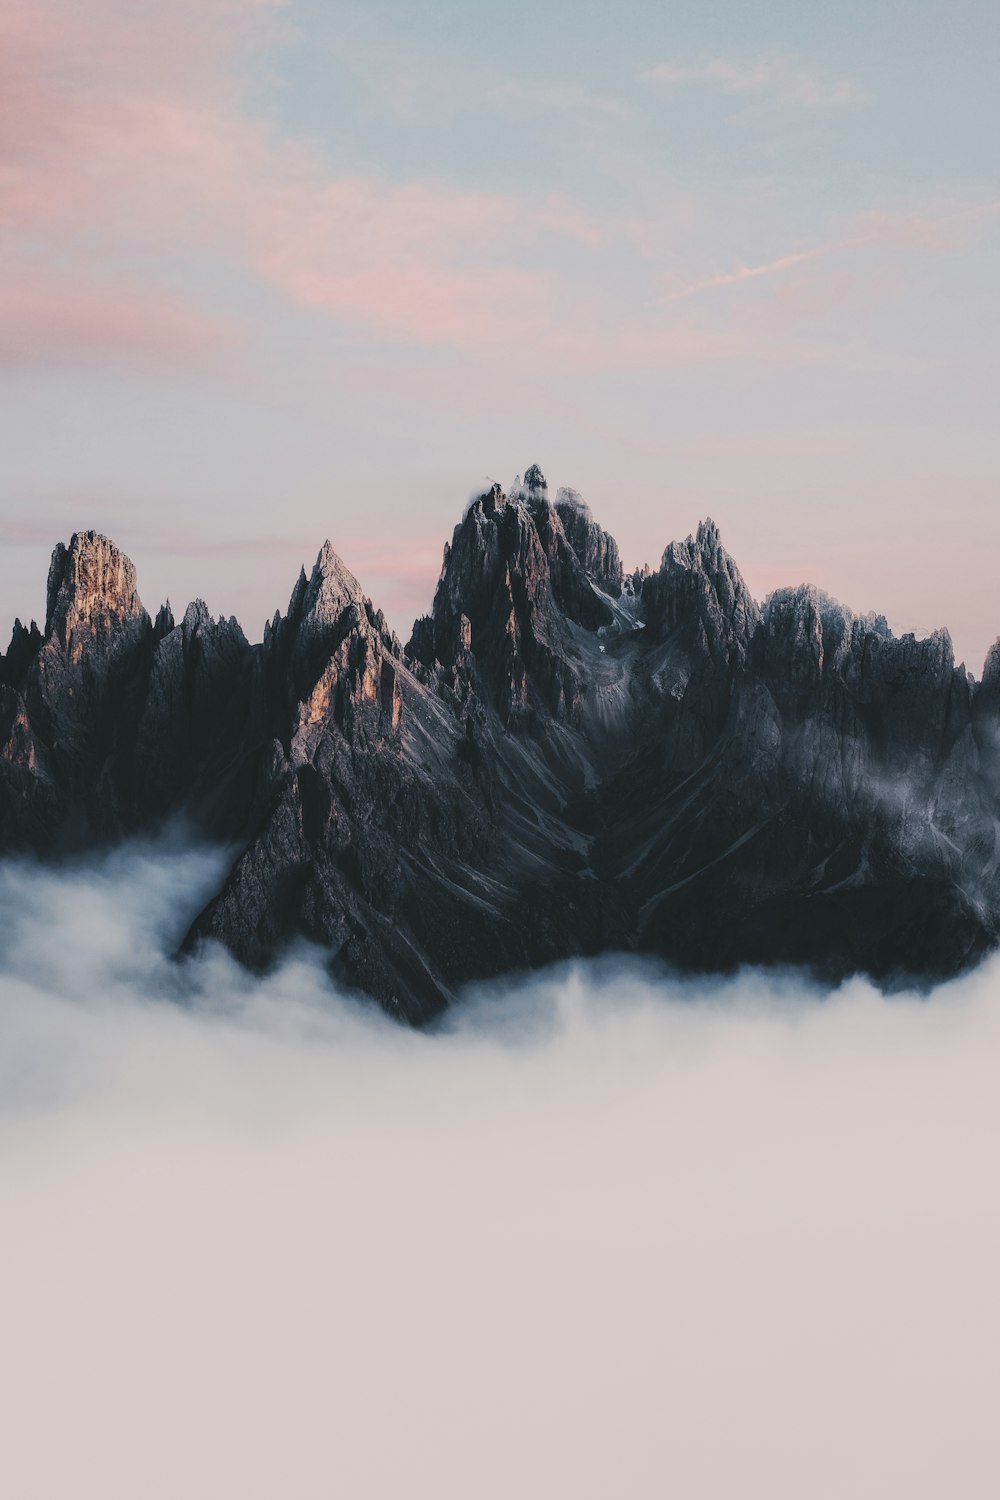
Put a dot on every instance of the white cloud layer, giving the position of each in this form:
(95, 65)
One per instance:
(605, 1233)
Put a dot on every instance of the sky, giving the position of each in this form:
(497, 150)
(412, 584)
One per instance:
(275, 272)
(604, 1232)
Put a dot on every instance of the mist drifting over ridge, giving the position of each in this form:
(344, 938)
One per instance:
(586, 1236)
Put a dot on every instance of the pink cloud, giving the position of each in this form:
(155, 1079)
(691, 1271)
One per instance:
(126, 141)
(128, 146)
(932, 232)
(126, 137)
(61, 322)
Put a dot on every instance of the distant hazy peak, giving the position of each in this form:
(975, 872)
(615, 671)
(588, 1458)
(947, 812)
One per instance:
(534, 480)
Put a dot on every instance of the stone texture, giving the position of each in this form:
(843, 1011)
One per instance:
(596, 549)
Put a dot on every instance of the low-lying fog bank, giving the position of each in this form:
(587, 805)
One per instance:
(604, 1233)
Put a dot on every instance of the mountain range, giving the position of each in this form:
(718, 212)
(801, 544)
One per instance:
(564, 759)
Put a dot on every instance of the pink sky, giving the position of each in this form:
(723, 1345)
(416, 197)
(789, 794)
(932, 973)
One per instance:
(271, 274)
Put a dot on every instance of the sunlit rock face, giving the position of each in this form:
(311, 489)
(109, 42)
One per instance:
(96, 633)
(93, 607)
(564, 759)
(66, 696)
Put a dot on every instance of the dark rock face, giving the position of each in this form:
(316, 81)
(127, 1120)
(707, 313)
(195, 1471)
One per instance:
(563, 760)
(596, 551)
(194, 718)
(511, 590)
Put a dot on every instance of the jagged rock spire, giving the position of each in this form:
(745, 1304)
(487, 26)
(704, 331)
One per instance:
(534, 481)
(331, 589)
(92, 598)
(510, 582)
(596, 549)
(699, 585)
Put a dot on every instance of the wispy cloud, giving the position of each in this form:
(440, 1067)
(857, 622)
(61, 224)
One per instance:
(913, 231)
(750, 273)
(133, 148)
(781, 79)
(127, 142)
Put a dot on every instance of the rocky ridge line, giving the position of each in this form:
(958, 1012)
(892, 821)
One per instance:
(564, 759)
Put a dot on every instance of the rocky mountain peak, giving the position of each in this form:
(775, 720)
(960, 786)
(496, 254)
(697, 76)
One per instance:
(987, 699)
(805, 620)
(510, 584)
(698, 583)
(595, 548)
(164, 622)
(702, 552)
(25, 643)
(805, 635)
(332, 588)
(571, 502)
(534, 481)
(78, 685)
(93, 603)
(806, 605)
(991, 668)
(330, 658)
(195, 617)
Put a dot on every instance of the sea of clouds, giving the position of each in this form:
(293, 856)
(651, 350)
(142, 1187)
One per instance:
(602, 1233)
